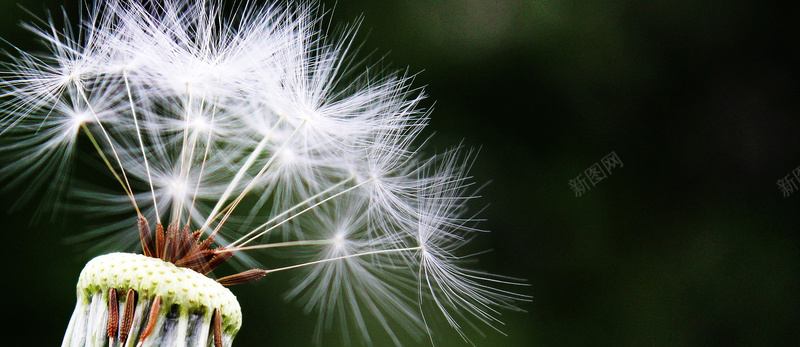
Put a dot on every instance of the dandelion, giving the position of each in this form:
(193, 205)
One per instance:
(236, 134)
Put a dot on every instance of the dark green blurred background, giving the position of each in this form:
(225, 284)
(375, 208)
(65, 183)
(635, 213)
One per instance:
(691, 243)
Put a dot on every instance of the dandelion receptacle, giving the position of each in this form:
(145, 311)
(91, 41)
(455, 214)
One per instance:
(233, 133)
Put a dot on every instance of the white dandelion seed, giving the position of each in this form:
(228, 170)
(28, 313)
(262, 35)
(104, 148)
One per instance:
(246, 133)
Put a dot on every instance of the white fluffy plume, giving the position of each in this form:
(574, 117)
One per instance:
(257, 127)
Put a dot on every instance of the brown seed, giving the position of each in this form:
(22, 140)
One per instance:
(155, 307)
(113, 314)
(127, 320)
(217, 321)
(145, 237)
(242, 277)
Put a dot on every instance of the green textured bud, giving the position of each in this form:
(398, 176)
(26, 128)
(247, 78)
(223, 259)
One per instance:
(183, 316)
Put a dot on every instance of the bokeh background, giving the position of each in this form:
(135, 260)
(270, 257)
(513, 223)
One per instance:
(690, 243)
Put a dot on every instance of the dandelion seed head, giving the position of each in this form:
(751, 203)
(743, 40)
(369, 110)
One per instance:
(259, 128)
